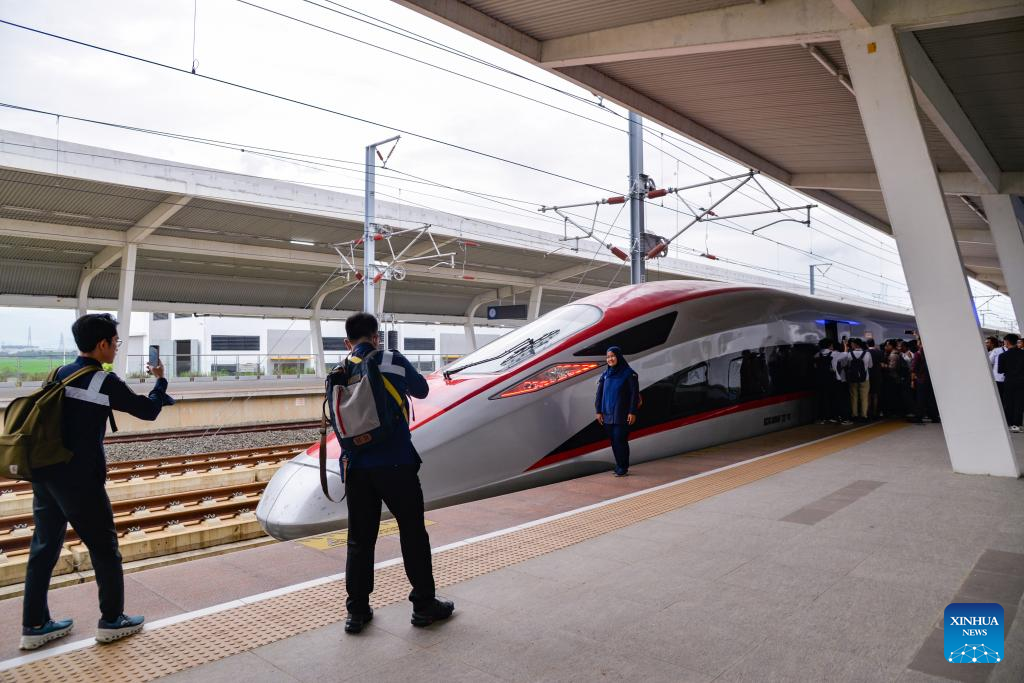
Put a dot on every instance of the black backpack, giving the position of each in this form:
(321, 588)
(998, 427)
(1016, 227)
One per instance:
(855, 370)
(823, 368)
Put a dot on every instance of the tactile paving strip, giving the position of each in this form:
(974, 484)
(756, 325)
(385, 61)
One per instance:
(152, 654)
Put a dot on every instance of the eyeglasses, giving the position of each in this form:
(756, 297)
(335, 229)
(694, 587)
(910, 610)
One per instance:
(119, 342)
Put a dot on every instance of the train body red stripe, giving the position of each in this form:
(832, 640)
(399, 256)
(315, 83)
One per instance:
(667, 426)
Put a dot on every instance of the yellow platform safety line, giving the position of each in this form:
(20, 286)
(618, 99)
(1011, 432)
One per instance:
(153, 654)
(336, 539)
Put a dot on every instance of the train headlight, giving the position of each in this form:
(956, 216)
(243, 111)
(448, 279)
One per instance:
(549, 376)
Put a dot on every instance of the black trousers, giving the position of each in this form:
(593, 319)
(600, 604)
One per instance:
(1014, 392)
(397, 487)
(619, 435)
(926, 406)
(72, 494)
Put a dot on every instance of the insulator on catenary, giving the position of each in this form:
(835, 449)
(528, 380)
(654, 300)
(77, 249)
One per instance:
(359, 276)
(618, 252)
(467, 243)
(654, 194)
(615, 200)
(659, 249)
(710, 256)
(468, 277)
(378, 277)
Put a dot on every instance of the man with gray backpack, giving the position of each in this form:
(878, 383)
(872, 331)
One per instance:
(369, 408)
(58, 435)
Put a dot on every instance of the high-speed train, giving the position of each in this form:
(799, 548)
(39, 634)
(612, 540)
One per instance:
(716, 362)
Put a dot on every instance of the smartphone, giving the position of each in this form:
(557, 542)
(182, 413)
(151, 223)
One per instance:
(154, 356)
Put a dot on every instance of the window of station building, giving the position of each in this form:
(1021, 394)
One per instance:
(161, 316)
(636, 339)
(224, 342)
(420, 344)
(334, 344)
(184, 315)
(424, 365)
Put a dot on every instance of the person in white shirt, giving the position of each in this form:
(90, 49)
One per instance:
(995, 349)
(857, 366)
(839, 358)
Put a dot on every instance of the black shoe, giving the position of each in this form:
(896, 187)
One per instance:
(436, 611)
(355, 622)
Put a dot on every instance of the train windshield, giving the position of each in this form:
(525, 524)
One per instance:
(520, 345)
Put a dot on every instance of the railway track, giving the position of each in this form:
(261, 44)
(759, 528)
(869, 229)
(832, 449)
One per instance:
(188, 433)
(125, 471)
(162, 506)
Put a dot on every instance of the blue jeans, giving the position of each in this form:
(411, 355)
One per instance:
(619, 435)
(72, 493)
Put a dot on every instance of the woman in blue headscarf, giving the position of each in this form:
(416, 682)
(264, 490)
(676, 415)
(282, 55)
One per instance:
(618, 397)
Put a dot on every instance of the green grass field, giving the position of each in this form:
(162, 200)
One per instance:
(26, 368)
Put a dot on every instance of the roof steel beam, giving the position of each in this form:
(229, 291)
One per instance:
(940, 105)
(741, 27)
(750, 26)
(953, 182)
(33, 301)
(277, 255)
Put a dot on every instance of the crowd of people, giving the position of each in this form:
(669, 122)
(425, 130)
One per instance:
(1006, 358)
(856, 381)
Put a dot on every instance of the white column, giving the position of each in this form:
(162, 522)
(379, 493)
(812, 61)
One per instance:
(533, 310)
(82, 303)
(470, 334)
(319, 364)
(976, 435)
(125, 293)
(1006, 233)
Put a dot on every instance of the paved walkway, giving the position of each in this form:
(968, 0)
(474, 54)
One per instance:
(835, 569)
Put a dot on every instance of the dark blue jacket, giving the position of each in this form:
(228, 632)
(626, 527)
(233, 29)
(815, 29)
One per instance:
(88, 403)
(398, 449)
(626, 403)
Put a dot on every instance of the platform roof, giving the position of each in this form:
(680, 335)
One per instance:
(222, 243)
(765, 83)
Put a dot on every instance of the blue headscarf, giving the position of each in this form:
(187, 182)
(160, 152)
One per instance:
(621, 366)
(614, 378)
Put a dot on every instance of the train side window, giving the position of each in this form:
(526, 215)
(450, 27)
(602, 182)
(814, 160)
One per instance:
(636, 339)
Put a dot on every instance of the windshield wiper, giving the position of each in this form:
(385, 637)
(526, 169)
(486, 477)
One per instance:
(515, 357)
(529, 344)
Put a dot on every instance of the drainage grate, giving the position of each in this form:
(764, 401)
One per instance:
(184, 645)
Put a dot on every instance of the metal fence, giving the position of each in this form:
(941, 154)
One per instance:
(17, 370)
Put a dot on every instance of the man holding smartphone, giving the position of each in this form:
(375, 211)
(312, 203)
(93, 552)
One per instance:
(74, 492)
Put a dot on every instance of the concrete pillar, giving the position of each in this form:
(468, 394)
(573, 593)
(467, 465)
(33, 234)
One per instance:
(470, 334)
(533, 309)
(125, 294)
(1006, 233)
(82, 303)
(316, 331)
(976, 435)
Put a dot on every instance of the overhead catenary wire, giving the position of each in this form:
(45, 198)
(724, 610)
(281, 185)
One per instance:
(301, 103)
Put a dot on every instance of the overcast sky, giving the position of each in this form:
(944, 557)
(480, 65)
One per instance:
(236, 41)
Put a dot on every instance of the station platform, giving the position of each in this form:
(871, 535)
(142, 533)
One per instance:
(809, 554)
(226, 401)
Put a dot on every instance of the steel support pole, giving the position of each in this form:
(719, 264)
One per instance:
(636, 199)
(972, 422)
(1006, 233)
(368, 230)
(125, 294)
(812, 279)
(369, 226)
